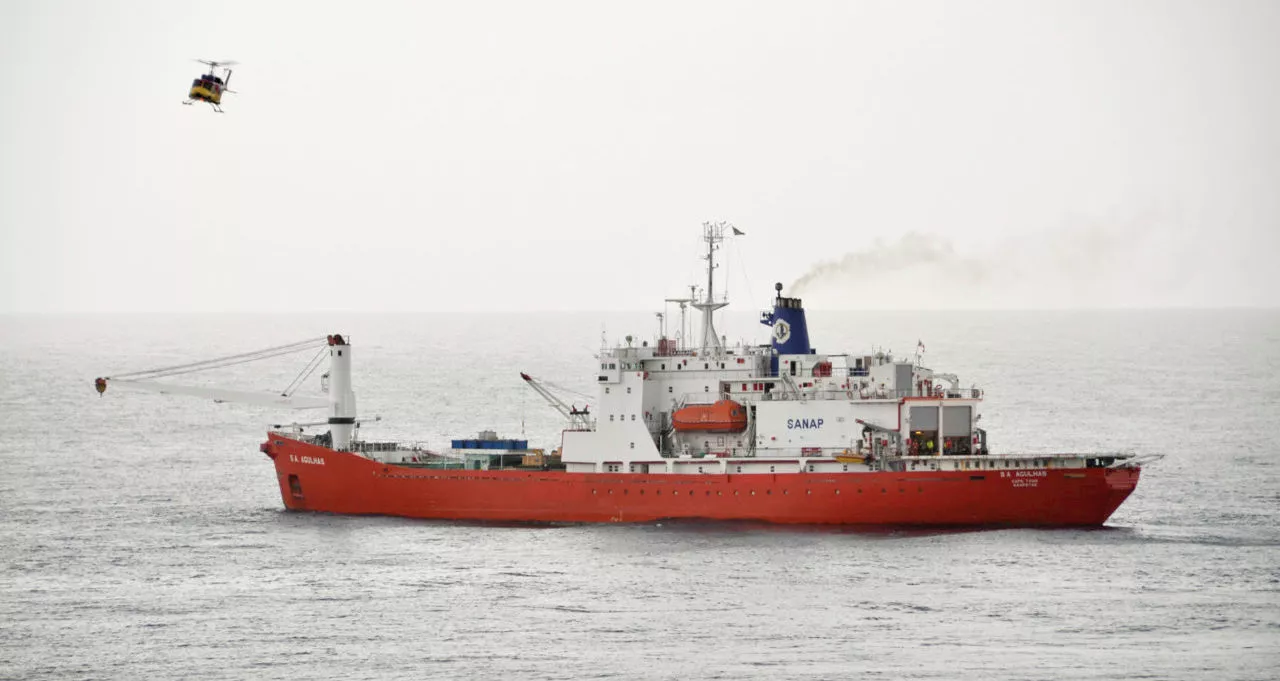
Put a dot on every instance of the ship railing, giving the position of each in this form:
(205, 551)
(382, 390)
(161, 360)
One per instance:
(361, 446)
(1037, 459)
(688, 399)
(868, 394)
(367, 447)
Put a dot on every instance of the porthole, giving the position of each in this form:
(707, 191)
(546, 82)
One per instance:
(769, 492)
(719, 493)
(808, 492)
(668, 388)
(735, 492)
(690, 492)
(837, 492)
(785, 492)
(699, 469)
(628, 390)
(606, 391)
(739, 469)
(846, 468)
(770, 469)
(610, 491)
(593, 491)
(753, 493)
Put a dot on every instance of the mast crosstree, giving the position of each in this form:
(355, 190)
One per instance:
(713, 234)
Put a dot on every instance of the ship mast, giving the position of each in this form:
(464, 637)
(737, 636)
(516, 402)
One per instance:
(713, 234)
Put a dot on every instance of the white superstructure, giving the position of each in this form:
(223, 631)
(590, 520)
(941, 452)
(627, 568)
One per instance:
(767, 407)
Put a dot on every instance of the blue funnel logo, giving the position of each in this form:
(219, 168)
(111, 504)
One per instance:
(790, 330)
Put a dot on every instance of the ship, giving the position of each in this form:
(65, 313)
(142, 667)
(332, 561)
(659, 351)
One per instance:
(691, 427)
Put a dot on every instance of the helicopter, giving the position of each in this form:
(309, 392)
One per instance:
(210, 86)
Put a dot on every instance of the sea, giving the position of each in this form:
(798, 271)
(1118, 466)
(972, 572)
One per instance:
(143, 535)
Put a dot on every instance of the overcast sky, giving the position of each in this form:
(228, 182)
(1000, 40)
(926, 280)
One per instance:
(500, 156)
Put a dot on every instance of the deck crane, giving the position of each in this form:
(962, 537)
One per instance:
(579, 419)
(341, 400)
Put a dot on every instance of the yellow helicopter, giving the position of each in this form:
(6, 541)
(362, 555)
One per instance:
(209, 87)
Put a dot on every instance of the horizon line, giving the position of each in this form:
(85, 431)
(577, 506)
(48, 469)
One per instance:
(296, 312)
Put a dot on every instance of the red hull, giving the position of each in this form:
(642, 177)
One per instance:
(338, 482)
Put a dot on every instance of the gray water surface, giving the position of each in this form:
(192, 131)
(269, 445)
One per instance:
(143, 536)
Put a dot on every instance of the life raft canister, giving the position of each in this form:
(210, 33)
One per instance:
(101, 385)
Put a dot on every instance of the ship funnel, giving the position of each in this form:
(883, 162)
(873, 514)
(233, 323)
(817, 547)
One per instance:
(790, 330)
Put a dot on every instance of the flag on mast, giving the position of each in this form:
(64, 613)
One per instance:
(920, 345)
(736, 231)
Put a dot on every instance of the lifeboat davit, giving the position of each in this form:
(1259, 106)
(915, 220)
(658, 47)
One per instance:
(725, 416)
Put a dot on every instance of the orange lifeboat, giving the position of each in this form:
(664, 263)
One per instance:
(725, 416)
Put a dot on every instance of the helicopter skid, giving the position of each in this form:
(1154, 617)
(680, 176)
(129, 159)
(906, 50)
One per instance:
(217, 108)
